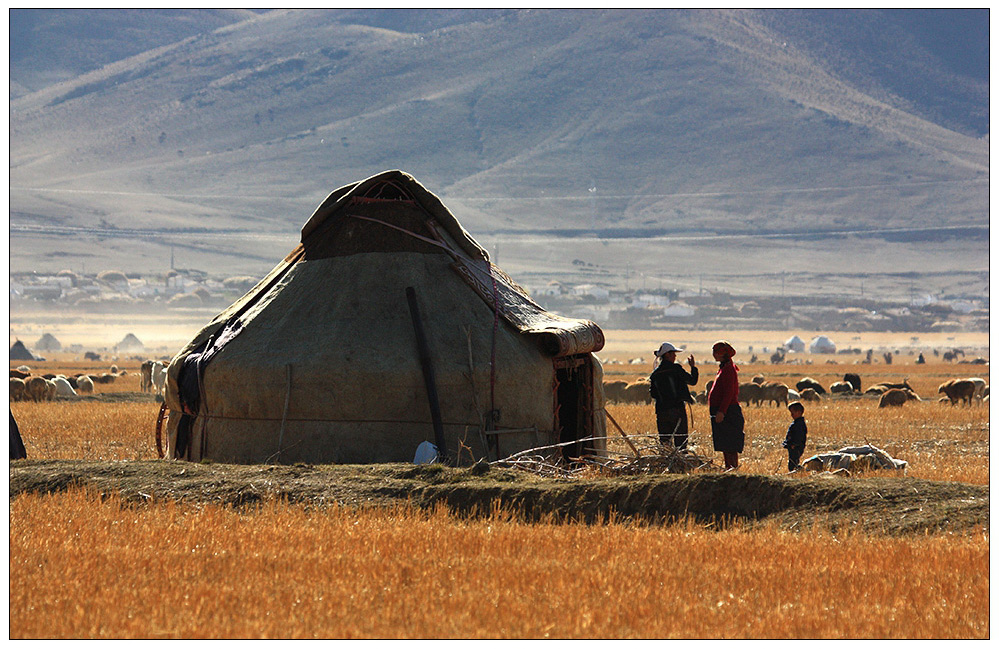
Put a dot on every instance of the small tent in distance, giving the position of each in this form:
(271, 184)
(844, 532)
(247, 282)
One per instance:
(795, 344)
(322, 360)
(822, 345)
(18, 352)
(130, 344)
(48, 343)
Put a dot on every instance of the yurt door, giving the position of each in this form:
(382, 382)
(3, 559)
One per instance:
(573, 376)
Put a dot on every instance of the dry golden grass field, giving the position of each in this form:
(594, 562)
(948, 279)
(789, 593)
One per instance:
(90, 564)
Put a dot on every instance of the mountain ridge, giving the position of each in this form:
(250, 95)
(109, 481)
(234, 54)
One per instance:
(522, 121)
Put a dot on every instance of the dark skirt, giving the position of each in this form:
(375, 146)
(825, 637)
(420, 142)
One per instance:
(729, 435)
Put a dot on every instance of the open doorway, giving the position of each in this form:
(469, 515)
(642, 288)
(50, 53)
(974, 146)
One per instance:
(573, 404)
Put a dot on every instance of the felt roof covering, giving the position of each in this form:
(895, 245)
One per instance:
(335, 228)
(318, 363)
(392, 185)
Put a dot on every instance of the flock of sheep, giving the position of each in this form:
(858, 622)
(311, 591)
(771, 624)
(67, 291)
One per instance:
(25, 386)
(759, 391)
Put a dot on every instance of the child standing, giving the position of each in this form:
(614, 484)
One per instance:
(797, 433)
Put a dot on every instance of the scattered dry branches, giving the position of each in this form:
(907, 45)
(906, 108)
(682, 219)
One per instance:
(650, 458)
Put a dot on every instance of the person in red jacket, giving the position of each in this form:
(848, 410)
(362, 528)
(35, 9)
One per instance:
(727, 423)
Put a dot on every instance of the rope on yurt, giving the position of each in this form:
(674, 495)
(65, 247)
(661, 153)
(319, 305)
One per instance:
(403, 230)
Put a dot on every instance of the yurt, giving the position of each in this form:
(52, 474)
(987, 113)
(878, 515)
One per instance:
(385, 328)
(48, 343)
(822, 345)
(130, 344)
(18, 352)
(795, 344)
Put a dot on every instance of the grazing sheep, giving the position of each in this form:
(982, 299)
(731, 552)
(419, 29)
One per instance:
(809, 383)
(841, 387)
(792, 395)
(958, 390)
(105, 378)
(881, 388)
(809, 394)
(774, 391)
(637, 392)
(84, 385)
(853, 379)
(613, 390)
(25, 369)
(759, 379)
(18, 391)
(114, 369)
(18, 374)
(750, 393)
(62, 387)
(896, 397)
(50, 390)
(36, 388)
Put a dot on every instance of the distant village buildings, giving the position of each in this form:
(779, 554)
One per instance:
(609, 306)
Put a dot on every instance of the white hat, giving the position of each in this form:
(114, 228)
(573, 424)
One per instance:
(666, 348)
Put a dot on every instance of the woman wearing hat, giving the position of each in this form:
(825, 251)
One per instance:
(727, 424)
(668, 385)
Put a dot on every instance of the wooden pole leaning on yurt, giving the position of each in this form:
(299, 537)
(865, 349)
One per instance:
(428, 373)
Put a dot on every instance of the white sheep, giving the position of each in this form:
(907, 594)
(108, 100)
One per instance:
(62, 387)
(84, 385)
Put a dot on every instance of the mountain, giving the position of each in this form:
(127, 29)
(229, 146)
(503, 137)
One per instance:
(555, 135)
(52, 45)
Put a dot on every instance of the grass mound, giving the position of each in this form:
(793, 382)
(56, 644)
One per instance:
(893, 505)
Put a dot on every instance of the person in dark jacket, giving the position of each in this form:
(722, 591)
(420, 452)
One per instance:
(797, 434)
(727, 424)
(668, 385)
